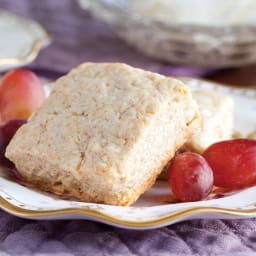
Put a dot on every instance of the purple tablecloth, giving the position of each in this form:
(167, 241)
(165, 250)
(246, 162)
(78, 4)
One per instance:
(77, 38)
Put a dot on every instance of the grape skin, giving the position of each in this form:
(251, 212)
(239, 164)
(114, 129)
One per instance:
(233, 163)
(7, 131)
(190, 177)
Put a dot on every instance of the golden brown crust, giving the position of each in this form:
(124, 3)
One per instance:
(74, 192)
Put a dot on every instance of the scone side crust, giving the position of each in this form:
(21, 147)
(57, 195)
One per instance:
(120, 199)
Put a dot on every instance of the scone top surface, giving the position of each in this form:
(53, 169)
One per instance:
(91, 125)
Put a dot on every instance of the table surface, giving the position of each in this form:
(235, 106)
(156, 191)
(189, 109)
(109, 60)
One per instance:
(77, 37)
(242, 76)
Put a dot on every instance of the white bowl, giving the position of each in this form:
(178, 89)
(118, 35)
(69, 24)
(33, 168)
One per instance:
(21, 40)
(210, 33)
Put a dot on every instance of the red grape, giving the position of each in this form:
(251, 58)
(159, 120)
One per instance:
(7, 131)
(20, 94)
(190, 177)
(233, 163)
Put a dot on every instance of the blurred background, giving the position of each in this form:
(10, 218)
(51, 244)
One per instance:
(209, 39)
(216, 40)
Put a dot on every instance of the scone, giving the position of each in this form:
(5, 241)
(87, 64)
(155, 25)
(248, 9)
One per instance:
(105, 133)
(217, 110)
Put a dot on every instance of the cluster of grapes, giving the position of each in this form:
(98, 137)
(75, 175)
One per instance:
(228, 164)
(20, 94)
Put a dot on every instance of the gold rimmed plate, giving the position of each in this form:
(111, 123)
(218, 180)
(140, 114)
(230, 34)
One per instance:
(157, 207)
(21, 40)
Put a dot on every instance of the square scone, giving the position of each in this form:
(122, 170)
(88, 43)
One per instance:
(105, 133)
(217, 111)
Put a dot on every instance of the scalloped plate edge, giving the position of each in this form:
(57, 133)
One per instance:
(71, 213)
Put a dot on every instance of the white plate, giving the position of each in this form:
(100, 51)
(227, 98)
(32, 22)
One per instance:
(156, 207)
(21, 40)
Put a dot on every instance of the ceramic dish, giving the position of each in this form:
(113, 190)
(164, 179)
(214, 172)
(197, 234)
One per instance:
(186, 32)
(156, 207)
(21, 40)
